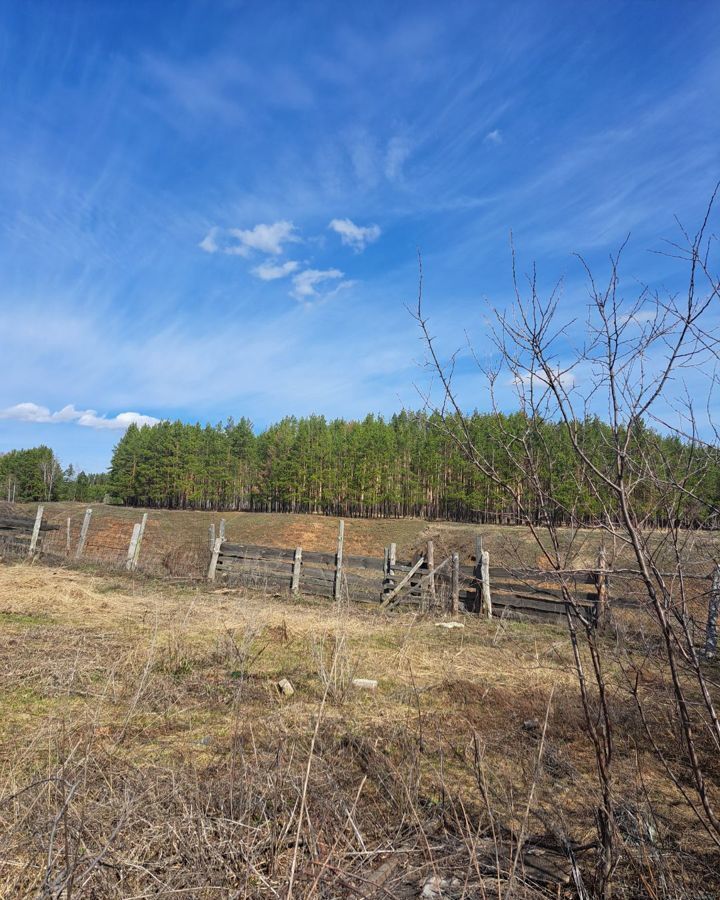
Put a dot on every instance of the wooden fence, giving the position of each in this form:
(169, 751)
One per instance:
(24, 536)
(431, 584)
(21, 535)
(443, 586)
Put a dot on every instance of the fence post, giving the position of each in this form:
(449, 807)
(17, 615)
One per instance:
(386, 570)
(297, 563)
(141, 535)
(339, 561)
(485, 575)
(132, 548)
(36, 530)
(221, 532)
(67, 538)
(455, 600)
(713, 607)
(211, 536)
(83, 534)
(601, 583)
(431, 571)
(213, 559)
(478, 573)
(389, 571)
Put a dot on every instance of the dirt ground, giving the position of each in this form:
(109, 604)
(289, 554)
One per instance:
(112, 526)
(145, 750)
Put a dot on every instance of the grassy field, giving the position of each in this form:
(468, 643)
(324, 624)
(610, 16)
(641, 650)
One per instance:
(145, 750)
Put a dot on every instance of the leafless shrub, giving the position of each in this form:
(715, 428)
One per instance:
(628, 368)
(180, 770)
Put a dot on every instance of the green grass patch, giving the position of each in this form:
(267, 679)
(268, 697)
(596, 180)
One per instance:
(12, 618)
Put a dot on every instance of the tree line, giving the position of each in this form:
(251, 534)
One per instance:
(35, 475)
(411, 464)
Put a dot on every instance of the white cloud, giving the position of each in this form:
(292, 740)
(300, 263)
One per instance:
(355, 236)
(265, 238)
(268, 271)
(494, 137)
(209, 242)
(32, 412)
(305, 283)
(121, 422)
(243, 241)
(167, 366)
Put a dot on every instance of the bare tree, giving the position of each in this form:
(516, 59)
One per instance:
(629, 369)
(51, 472)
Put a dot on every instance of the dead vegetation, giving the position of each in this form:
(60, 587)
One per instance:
(169, 528)
(145, 751)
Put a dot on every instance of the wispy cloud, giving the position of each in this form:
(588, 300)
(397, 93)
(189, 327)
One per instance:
(242, 242)
(220, 85)
(355, 236)
(414, 128)
(209, 243)
(268, 271)
(305, 283)
(32, 412)
(398, 150)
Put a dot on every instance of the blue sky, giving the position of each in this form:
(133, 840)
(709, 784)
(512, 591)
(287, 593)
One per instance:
(214, 208)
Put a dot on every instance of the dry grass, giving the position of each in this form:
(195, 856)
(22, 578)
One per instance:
(146, 752)
(176, 541)
(111, 528)
(362, 536)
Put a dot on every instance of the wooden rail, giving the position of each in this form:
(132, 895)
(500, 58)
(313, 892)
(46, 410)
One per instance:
(22, 535)
(447, 586)
(443, 586)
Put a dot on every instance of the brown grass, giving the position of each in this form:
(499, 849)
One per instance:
(145, 750)
(178, 539)
(111, 528)
(363, 536)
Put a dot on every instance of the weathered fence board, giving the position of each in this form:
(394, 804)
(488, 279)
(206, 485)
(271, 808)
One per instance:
(250, 551)
(22, 535)
(24, 524)
(391, 582)
(524, 602)
(526, 587)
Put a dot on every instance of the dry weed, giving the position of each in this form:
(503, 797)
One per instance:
(144, 752)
